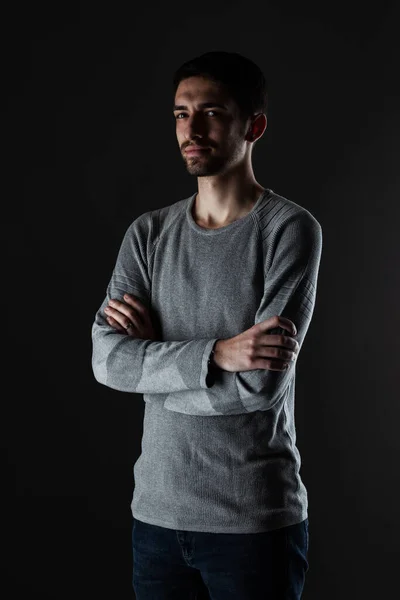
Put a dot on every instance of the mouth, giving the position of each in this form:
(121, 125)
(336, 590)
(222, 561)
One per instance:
(195, 150)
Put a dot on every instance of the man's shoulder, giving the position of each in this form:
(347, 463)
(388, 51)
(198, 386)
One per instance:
(276, 210)
(163, 213)
(148, 225)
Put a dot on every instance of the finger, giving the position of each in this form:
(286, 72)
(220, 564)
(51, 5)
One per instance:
(117, 306)
(122, 318)
(137, 305)
(279, 325)
(277, 351)
(272, 364)
(116, 325)
(287, 324)
(131, 330)
(278, 338)
(278, 366)
(276, 331)
(120, 307)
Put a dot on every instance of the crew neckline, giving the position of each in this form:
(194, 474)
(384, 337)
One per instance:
(236, 223)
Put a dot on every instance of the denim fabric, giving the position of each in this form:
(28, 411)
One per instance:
(169, 564)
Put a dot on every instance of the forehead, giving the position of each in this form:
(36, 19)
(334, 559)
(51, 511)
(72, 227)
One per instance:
(199, 89)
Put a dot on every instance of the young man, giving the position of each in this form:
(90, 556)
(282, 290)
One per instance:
(208, 306)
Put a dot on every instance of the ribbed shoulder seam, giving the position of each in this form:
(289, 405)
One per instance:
(272, 216)
(163, 218)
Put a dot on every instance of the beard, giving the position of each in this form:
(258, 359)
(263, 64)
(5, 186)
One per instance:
(209, 164)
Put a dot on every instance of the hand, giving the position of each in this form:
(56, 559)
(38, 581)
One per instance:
(256, 349)
(132, 318)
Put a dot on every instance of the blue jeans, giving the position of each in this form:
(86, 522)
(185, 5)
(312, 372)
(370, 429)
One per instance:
(170, 564)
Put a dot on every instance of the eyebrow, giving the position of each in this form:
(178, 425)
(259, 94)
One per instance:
(202, 105)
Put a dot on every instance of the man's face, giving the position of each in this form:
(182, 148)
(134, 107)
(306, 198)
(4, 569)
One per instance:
(215, 126)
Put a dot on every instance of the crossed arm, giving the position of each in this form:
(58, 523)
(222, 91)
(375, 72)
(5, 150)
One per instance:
(253, 349)
(134, 360)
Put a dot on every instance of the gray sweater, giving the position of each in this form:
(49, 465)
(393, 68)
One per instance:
(218, 448)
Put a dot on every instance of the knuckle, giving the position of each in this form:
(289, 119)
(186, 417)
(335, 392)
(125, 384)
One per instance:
(249, 354)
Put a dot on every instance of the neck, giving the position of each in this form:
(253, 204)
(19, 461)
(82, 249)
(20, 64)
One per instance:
(218, 203)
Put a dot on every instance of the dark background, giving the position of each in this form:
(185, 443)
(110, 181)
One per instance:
(88, 145)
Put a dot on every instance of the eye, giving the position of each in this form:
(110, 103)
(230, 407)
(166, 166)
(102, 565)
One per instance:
(179, 114)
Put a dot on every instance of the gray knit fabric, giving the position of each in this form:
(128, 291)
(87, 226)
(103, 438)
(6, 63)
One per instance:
(218, 448)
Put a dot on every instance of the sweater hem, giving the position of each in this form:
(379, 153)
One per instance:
(276, 522)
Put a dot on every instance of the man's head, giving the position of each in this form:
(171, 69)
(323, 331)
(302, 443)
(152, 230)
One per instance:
(234, 117)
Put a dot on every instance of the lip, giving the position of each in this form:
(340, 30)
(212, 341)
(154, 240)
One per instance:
(195, 150)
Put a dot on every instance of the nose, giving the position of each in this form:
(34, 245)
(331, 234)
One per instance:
(195, 128)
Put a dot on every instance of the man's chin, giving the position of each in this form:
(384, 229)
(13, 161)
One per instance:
(201, 169)
(198, 172)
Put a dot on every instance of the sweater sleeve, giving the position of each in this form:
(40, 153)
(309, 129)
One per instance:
(290, 286)
(130, 364)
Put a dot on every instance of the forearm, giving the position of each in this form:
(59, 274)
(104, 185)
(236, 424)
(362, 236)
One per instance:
(130, 364)
(230, 393)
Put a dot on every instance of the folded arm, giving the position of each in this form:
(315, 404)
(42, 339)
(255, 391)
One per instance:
(177, 368)
(130, 364)
(290, 286)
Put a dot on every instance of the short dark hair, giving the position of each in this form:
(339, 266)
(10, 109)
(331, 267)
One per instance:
(241, 77)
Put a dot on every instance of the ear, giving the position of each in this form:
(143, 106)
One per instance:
(257, 127)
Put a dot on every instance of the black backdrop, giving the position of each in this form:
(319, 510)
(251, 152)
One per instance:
(88, 145)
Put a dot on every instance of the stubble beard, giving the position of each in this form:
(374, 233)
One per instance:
(209, 165)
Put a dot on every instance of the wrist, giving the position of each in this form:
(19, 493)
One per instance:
(212, 361)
